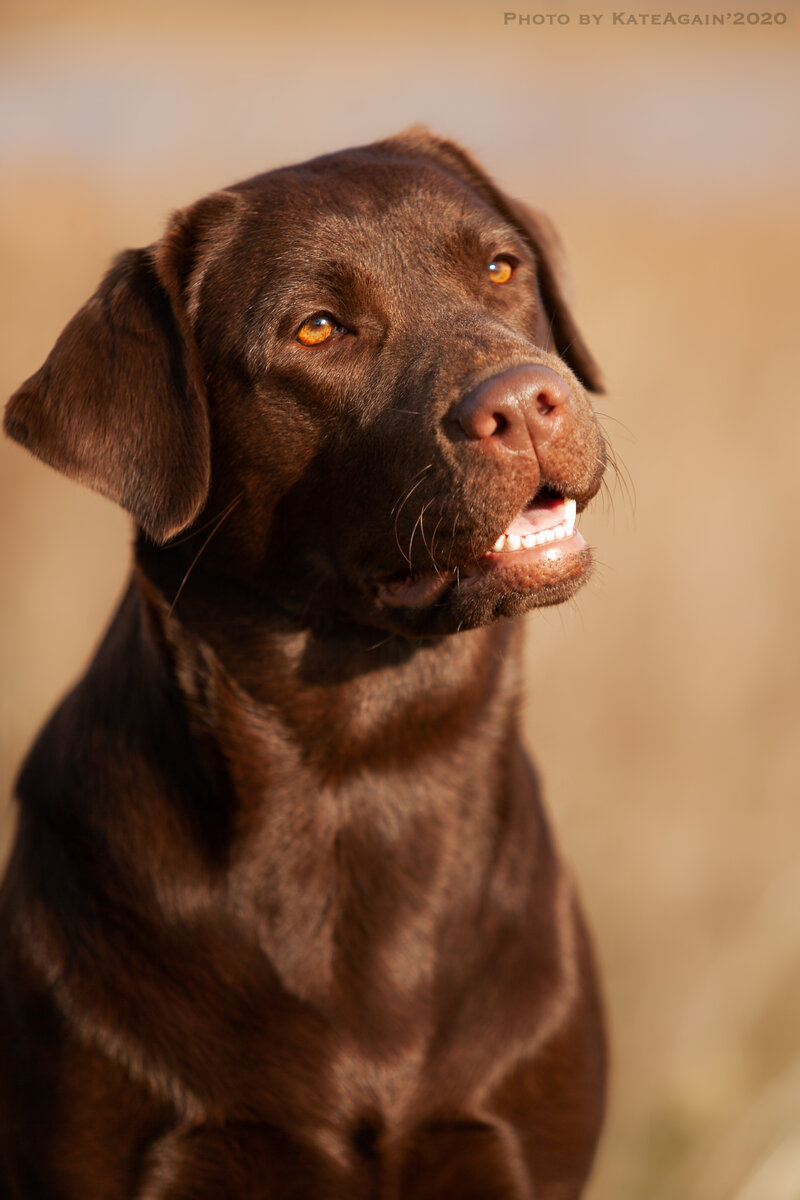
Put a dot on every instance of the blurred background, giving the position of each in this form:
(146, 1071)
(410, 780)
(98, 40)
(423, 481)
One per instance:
(663, 703)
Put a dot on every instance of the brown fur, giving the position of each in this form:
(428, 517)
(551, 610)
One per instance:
(284, 917)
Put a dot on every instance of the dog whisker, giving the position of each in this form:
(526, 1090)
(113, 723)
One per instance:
(452, 541)
(415, 482)
(417, 524)
(432, 550)
(227, 512)
(400, 504)
(187, 537)
(382, 642)
(422, 532)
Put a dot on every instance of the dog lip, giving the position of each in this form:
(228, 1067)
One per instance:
(528, 572)
(549, 550)
(414, 591)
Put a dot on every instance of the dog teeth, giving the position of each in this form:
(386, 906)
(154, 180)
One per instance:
(513, 541)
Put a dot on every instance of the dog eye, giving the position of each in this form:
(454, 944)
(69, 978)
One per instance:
(500, 270)
(317, 329)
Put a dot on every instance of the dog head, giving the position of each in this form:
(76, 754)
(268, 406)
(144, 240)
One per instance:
(363, 370)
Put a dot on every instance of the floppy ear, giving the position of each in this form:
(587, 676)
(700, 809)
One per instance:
(553, 285)
(537, 231)
(120, 404)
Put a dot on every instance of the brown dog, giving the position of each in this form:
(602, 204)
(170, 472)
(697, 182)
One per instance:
(284, 918)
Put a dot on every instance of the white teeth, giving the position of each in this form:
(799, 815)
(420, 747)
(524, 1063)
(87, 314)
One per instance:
(514, 541)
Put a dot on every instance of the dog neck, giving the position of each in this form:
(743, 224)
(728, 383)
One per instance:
(309, 736)
(324, 705)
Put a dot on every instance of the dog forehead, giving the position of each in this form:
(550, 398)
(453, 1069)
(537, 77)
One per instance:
(364, 206)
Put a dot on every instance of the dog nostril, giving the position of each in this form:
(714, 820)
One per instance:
(511, 409)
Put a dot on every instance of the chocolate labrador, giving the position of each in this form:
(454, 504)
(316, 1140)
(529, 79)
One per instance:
(284, 918)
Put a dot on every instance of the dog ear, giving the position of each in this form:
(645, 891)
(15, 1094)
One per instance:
(119, 403)
(554, 287)
(537, 231)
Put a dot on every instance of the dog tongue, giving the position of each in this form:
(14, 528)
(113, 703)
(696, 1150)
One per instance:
(545, 514)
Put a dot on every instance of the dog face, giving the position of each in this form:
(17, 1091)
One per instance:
(363, 369)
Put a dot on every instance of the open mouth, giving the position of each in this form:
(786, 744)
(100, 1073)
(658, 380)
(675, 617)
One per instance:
(537, 547)
(548, 520)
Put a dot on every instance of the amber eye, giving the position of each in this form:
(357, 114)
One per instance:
(500, 270)
(316, 329)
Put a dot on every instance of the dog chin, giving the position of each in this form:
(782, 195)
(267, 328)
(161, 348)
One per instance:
(435, 605)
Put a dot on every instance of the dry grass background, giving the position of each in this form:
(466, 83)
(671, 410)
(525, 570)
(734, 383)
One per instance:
(663, 705)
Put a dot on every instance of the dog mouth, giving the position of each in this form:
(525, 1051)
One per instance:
(538, 547)
(551, 519)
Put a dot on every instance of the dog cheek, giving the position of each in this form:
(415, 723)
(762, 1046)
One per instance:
(260, 456)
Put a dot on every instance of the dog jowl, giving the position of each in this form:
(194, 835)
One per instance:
(284, 916)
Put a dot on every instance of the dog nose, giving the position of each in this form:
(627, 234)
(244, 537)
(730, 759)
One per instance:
(518, 410)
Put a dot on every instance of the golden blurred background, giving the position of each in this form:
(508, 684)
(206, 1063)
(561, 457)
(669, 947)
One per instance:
(663, 704)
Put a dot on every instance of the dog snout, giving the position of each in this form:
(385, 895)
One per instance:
(517, 410)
